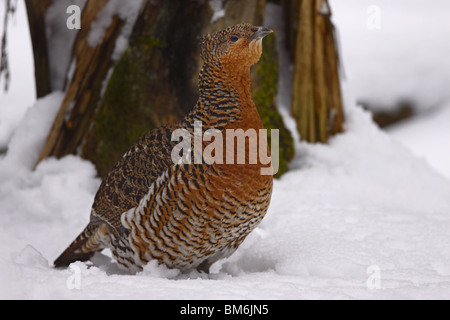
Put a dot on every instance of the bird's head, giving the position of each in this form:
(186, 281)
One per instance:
(239, 45)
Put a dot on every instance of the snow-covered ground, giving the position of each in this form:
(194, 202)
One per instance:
(22, 92)
(428, 137)
(362, 217)
(393, 52)
(359, 218)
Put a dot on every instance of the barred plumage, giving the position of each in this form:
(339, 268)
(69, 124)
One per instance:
(186, 216)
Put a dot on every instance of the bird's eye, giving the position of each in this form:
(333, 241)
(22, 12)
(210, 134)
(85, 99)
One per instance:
(234, 38)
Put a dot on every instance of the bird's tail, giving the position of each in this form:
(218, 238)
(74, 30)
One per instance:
(90, 241)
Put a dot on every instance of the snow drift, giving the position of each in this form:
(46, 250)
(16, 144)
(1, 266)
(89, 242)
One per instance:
(359, 203)
(361, 217)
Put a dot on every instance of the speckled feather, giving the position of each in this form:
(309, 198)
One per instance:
(185, 216)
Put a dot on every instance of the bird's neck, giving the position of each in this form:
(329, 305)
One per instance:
(225, 96)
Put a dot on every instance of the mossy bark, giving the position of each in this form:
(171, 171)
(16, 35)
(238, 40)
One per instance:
(264, 93)
(155, 82)
(152, 83)
(36, 20)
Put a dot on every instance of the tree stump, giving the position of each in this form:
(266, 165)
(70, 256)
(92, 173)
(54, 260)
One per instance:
(316, 96)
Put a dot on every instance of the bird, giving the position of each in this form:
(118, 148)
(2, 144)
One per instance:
(187, 216)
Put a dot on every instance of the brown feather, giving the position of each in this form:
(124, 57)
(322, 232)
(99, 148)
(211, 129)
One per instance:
(185, 216)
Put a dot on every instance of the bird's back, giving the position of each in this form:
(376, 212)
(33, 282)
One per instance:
(129, 180)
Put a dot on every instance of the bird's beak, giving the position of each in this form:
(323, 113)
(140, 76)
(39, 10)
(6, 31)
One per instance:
(261, 33)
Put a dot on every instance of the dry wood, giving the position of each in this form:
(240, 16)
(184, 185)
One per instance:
(336, 108)
(150, 83)
(84, 89)
(316, 96)
(321, 90)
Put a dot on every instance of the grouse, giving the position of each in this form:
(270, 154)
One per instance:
(188, 212)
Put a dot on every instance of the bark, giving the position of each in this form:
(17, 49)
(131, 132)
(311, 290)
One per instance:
(157, 78)
(152, 84)
(36, 10)
(316, 97)
(83, 92)
(264, 74)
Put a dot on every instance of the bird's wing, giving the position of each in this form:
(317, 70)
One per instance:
(129, 180)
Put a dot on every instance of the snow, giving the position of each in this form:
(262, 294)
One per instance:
(360, 218)
(218, 9)
(273, 19)
(128, 13)
(404, 58)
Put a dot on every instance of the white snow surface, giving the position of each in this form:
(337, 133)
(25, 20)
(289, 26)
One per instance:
(29, 138)
(395, 50)
(360, 218)
(428, 137)
(218, 9)
(361, 202)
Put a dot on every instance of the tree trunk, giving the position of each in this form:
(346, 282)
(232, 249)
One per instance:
(83, 92)
(110, 102)
(316, 97)
(36, 10)
(152, 84)
(264, 93)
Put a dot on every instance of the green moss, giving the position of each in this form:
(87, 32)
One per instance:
(264, 92)
(122, 116)
(149, 84)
